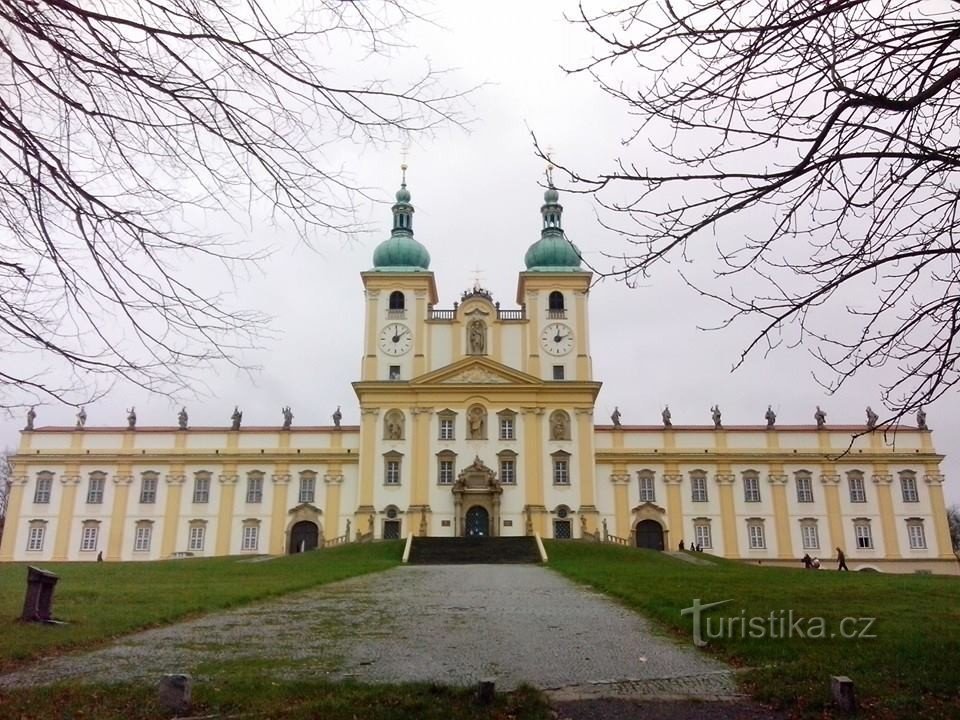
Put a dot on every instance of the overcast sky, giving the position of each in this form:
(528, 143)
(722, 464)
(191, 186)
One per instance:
(477, 199)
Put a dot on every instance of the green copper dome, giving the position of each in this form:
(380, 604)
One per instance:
(401, 252)
(552, 252)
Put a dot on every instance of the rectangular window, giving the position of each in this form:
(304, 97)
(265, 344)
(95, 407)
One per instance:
(42, 494)
(446, 472)
(857, 492)
(701, 535)
(804, 489)
(755, 533)
(308, 488)
(95, 490)
(446, 428)
(201, 488)
(863, 535)
(506, 428)
(88, 539)
(810, 537)
(394, 372)
(558, 372)
(647, 492)
(751, 488)
(908, 486)
(508, 472)
(918, 540)
(698, 488)
(35, 538)
(251, 537)
(141, 540)
(561, 472)
(254, 488)
(393, 472)
(197, 536)
(148, 489)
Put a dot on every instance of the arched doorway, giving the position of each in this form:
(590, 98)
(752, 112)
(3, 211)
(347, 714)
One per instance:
(477, 522)
(649, 535)
(304, 535)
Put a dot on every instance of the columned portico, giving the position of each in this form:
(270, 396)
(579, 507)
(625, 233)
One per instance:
(476, 498)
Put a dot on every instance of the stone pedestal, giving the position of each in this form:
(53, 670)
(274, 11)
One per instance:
(38, 602)
(842, 693)
(174, 694)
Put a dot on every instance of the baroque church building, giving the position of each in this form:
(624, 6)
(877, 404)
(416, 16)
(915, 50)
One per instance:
(479, 420)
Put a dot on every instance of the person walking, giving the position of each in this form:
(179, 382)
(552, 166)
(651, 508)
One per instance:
(841, 561)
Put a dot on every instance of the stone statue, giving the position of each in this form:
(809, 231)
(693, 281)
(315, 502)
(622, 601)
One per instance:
(348, 530)
(871, 418)
(616, 417)
(606, 534)
(337, 417)
(771, 417)
(31, 416)
(667, 417)
(922, 419)
(81, 418)
(583, 525)
(558, 427)
(715, 413)
(132, 418)
(394, 429)
(182, 418)
(476, 422)
(821, 417)
(287, 417)
(370, 525)
(477, 337)
(237, 418)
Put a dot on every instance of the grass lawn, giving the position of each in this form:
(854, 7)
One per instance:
(248, 697)
(104, 600)
(908, 670)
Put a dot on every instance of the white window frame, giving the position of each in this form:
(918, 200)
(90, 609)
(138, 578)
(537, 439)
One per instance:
(89, 535)
(201, 489)
(250, 541)
(254, 488)
(44, 489)
(308, 488)
(148, 488)
(391, 474)
(35, 538)
(95, 488)
(756, 536)
(809, 536)
(916, 535)
(751, 487)
(858, 488)
(804, 488)
(908, 488)
(698, 488)
(143, 536)
(447, 428)
(561, 471)
(446, 469)
(647, 486)
(702, 535)
(507, 428)
(863, 536)
(508, 471)
(197, 538)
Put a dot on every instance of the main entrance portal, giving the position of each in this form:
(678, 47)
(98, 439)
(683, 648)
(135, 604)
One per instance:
(650, 535)
(477, 522)
(304, 535)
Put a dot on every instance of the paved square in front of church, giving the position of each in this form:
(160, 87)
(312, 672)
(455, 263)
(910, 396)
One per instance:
(445, 624)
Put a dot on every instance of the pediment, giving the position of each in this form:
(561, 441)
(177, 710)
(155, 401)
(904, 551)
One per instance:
(648, 508)
(476, 371)
(305, 509)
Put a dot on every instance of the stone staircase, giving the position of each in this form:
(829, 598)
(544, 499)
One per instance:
(475, 550)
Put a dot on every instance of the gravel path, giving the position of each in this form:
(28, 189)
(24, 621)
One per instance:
(449, 624)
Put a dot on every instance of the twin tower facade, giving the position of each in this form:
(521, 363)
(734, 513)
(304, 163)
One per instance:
(478, 419)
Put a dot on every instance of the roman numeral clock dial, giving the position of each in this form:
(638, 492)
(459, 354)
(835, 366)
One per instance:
(395, 339)
(557, 339)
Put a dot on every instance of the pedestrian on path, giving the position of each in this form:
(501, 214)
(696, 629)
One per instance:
(841, 561)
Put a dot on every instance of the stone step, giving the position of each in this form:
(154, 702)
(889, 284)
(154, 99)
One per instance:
(482, 550)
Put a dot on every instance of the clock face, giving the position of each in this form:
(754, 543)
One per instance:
(557, 339)
(395, 339)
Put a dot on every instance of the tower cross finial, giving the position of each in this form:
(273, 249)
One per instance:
(549, 170)
(404, 154)
(476, 277)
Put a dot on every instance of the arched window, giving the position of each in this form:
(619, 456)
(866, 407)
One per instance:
(556, 300)
(396, 300)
